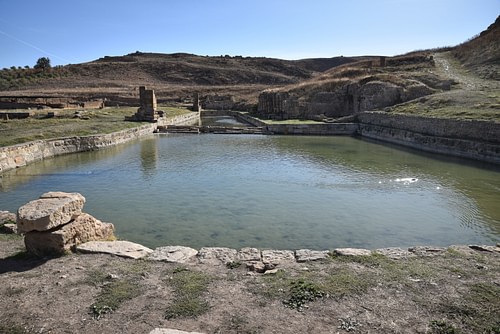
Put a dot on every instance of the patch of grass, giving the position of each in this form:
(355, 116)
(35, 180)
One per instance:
(476, 311)
(442, 327)
(392, 272)
(237, 324)
(296, 292)
(189, 289)
(97, 121)
(272, 286)
(302, 292)
(8, 328)
(457, 104)
(112, 296)
(346, 282)
(10, 237)
(233, 264)
(95, 277)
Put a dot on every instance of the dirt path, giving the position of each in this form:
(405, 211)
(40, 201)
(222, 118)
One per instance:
(450, 67)
(436, 291)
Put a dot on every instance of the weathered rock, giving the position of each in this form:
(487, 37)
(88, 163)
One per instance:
(394, 252)
(304, 255)
(217, 255)
(173, 254)
(170, 331)
(83, 229)
(249, 254)
(118, 248)
(8, 228)
(352, 252)
(276, 257)
(427, 250)
(271, 272)
(486, 248)
(51, 210)
(7, 217)
(257, 266)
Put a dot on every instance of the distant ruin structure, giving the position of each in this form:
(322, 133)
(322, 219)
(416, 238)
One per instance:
(49, 102)
(382, 61)
(148, 107)
(196, 102)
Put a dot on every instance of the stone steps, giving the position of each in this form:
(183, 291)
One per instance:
(209, 129)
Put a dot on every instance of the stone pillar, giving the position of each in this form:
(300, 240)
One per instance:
(196, 103)
(148, 105)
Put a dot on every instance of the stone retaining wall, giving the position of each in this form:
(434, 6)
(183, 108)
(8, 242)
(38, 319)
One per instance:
(469, 130)
(320, 129)
(467, 139)
(20, 155)
(185, 119)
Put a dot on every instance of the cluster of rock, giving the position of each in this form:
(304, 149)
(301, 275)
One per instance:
(55, 224)
(8, 222)
(258, 261)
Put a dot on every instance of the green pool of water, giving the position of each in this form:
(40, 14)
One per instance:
(272, 192)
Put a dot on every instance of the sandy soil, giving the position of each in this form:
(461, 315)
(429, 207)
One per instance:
(455, 291)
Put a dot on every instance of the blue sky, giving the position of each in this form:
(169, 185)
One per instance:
(76, 31)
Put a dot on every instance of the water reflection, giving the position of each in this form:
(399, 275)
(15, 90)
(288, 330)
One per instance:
(81, 164)
(149, 156)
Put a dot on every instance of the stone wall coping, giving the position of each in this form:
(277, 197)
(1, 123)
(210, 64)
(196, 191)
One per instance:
(219, 256)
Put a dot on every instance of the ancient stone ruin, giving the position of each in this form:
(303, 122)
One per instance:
(196, 103)
(148, 107)
(55, 224)
(278, 105)
(44, 102)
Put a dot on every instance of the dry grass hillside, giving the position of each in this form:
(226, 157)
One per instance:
(173, 76)
(455, 82)
(482, 53)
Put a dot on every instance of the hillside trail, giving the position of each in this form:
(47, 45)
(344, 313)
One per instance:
(450, 67)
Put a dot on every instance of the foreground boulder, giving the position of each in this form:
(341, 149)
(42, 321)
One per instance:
(51, 210)
(82, 229)
(54, 224)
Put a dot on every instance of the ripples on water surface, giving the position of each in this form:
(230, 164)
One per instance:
(272, 192)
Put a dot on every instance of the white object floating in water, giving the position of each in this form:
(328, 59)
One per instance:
(407, 180)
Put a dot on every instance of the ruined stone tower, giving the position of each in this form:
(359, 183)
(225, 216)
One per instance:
(196, 102)
(148, 107)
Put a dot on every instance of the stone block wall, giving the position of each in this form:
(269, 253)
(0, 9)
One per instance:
(481, 131)
(20, 155)
(467, 139)
(320, 129)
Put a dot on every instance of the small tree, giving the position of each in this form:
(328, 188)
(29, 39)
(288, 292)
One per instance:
(42, 63)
